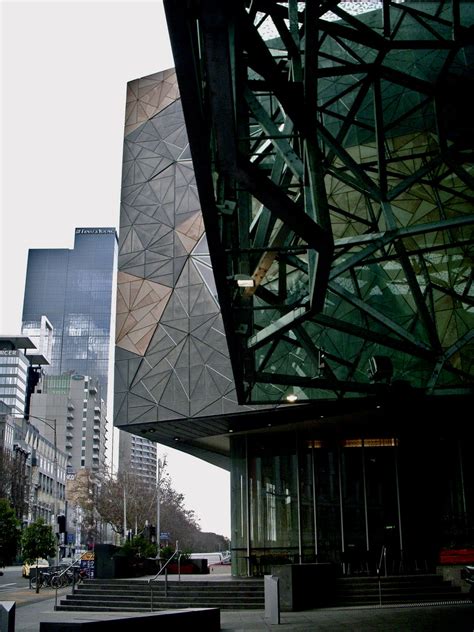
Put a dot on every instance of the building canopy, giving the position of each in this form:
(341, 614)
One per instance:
(333, 153)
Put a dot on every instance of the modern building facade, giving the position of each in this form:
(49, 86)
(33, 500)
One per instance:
(74, 289)
(333, 273)
(33, 471)
(33, 467)
(14, 379)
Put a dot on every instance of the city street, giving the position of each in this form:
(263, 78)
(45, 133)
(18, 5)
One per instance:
(12, 580)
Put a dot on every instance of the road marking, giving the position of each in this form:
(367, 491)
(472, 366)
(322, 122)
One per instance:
(5, 585)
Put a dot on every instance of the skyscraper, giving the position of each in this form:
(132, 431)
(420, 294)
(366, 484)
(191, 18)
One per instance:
(73, 288)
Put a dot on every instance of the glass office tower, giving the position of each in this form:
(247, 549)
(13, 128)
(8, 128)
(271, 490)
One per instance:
(73, 288)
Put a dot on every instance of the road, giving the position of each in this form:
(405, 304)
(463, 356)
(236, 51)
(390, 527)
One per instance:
(12, 580)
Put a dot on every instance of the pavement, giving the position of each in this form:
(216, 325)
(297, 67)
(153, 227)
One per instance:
(32, 608)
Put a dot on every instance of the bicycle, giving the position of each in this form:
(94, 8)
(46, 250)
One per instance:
(42, 578)
(60, 579)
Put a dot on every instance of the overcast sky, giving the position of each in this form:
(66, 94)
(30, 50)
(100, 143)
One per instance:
(65, 66)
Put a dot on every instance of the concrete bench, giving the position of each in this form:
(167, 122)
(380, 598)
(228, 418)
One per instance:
(208, 619)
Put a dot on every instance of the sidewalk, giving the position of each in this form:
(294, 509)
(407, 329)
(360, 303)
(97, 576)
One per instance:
(32, 608)
(445, 618)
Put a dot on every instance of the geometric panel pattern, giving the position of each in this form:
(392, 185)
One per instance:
(147, 96)
(172, 360)
(140, 304)
(343, 196)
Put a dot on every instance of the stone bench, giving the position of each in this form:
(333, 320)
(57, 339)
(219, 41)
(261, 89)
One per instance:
(208, 619)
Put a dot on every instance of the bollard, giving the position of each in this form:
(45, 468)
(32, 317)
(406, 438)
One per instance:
(7, 616)
(272, 599)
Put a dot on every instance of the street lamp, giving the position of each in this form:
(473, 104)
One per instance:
(160, 465)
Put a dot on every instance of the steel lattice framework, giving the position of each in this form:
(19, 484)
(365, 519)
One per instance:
(334, 161)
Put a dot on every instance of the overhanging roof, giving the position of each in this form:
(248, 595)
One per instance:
(335, 170)
(16, 342)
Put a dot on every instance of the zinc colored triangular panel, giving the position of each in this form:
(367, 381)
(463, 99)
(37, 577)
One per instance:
(173, 333)
(183, 359)
(185, 174)
(178, 137)
(175, 311)
(184, 276)
(185, 154)
(121, 408)
(201, 301)
(182, 374)
(143, 414)
(128, 323)
(167, 414)
(204, 321)
(202, 349)
(140, 389)
(157, 384)
(128, 215)
(202, 408)
(194, 276)
(163, 186)
(179, 263)
(187, 242)
(191, 225)
(127, 344)
(133, 289)
(174, 397)
(182, 294)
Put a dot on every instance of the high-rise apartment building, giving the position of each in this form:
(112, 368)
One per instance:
(138, 455)
(74, 289)
(74, 402)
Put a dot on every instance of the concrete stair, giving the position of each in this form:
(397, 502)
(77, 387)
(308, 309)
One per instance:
(363, 591)
(131, 595)
(102, 595)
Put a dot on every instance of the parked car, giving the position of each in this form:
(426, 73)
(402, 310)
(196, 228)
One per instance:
(25, 570)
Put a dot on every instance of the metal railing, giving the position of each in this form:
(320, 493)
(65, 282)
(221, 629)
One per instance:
(164, 569)
(64, 571)
(382, 560)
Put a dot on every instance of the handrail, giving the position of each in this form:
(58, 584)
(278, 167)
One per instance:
(73, 579)
(383, 556)
(165, 565)
(165, 568)
(73, 563)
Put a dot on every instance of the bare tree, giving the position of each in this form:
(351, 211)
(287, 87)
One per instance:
(128, 493)
(83, 492)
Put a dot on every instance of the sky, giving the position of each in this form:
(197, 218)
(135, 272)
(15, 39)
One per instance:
(64, 70)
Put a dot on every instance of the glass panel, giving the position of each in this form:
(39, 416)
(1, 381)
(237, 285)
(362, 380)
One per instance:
(328, 506)
(273, 503)
(307, 507)
(382, 505)
(355, 544)
(239, 506)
